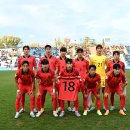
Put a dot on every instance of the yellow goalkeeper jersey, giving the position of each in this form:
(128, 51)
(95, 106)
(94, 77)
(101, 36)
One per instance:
(100, 62)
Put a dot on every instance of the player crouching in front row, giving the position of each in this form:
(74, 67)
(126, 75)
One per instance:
(92, 84)
(24, 78)
(115, 83)
(45, 80)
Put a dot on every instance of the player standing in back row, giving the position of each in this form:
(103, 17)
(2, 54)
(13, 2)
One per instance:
(81, 65)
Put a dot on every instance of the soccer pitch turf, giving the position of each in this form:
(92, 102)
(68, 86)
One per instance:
(47, 122)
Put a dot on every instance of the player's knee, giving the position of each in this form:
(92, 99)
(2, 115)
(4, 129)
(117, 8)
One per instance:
(105, 95)
(98, 96)
(122, 95)
(18, 95)
(53, 96)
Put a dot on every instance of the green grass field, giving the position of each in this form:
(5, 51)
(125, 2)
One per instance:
(47, 122)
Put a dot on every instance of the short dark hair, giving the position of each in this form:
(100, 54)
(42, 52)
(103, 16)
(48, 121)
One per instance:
(92, 66)
(47, 46)
(116, 66)
(69, 60)
(63, 49)
(116, 52)
(79, 50)
(26, 47)
(99, 46)
(25, 62)
(45, 62)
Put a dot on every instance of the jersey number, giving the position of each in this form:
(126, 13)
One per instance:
(99, 64)
(70, 85)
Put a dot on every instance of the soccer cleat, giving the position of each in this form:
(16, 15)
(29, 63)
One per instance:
(85, 113)
(73, 110)
(77, 114)
(92, 108)
(124, 109)
(22, 110)
(112, 108)
(38, 114)
(122, 113)
(99, 113)
(69, 109)
(35, 110)
(32, 114)
(62, 113)
(55, 114)
(17, 115)
(106, 113)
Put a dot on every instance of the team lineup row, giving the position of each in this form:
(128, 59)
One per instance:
(64, 78)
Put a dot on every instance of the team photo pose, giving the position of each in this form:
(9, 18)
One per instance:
(45, 80)
(92, 85)
(115, 83)
(69, 87)
(25, 83)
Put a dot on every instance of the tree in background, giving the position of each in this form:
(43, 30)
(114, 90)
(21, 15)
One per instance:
(10, 41)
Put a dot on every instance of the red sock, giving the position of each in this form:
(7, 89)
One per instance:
(112, 98)
(98, 103)
(17, 104)
(76, 105)
(54, 103)
(85, 103)
(23, 100)
(43, 98)
(32, 101)
(68, 103)
(122, 102)
(62, 105)
(38, 103)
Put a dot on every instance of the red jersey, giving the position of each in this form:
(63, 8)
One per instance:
(24, 78)
(68, 89)
(115, 81)
(112, 62)
(52, 62)
(92, 81)
(81, 66)
(73, 73)
(61, 64)
(30, 59)
(45, 77)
